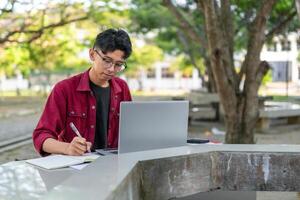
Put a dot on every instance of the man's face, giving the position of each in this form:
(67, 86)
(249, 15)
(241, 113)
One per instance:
(105, 65)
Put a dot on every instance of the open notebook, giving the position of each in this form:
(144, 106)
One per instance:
(60, 161)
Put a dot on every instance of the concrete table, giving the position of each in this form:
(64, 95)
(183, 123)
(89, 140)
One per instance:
(278, 110)
(160, 174)
(19, 180)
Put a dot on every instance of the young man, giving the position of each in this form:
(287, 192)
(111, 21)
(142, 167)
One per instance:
(90, 101)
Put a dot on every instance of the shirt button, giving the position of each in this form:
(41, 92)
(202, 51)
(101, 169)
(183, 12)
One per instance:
(72, 112)
(93, 107)
(83, 114)
(113, 109)
(92, 126)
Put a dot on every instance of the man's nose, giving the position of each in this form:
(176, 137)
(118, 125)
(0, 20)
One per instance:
(111, 68)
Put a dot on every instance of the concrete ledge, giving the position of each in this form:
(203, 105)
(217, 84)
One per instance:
(181, 176)
(182, 171)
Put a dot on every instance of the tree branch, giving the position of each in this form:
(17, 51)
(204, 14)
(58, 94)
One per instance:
(219, 50)
(226, 15)
(262, 70)
(219, 54)
(38, 32)
(184, 24)
(61, 23)
(256, 41)
(281, 26)
(297, 2)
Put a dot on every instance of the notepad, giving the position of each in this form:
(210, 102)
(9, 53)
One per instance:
(105, 152)
(60, 161)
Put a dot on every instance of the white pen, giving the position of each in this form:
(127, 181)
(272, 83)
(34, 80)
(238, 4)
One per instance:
(73, 127)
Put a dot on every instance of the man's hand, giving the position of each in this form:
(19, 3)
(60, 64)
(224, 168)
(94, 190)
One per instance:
(78, 147)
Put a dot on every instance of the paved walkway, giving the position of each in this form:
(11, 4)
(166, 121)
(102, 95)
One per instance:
(16, 126)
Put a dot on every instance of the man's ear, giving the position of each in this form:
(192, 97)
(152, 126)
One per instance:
(92, 55)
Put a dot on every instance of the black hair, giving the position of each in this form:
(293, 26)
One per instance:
(114, 39)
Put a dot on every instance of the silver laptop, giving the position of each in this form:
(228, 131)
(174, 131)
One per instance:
(152, 125)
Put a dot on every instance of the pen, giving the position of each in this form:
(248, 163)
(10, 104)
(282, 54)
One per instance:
(73, 127)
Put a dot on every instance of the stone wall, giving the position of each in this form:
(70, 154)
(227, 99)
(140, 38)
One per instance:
(180, 176)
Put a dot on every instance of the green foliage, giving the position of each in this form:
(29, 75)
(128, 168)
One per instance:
(143, 57)
(62, 49)
(184, 64)
(267, 78)
(14, 58)
(56, 50)
(59, 49)
(148, 15)
(152, 16)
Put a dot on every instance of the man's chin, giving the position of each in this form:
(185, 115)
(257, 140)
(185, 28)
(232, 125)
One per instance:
(108, 77)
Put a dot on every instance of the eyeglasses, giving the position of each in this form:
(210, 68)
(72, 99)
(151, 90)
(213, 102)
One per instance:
(108, 63)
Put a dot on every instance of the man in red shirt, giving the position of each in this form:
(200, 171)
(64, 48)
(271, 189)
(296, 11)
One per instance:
(90, 101)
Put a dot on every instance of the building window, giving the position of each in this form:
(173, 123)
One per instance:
(150, 73)
(272, 46)
(166, 73)
(285, 45)
(187, 75)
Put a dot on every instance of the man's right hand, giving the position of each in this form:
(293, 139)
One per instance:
(78, 147)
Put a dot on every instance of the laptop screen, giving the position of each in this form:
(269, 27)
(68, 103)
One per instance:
(152, 125)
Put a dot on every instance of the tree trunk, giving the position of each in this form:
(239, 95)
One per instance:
(240, 106)
(211, 83)
(240, 125)
(297, 2)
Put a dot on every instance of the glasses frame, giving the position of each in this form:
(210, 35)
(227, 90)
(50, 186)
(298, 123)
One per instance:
(108, 64)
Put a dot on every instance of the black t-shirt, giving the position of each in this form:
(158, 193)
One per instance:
(102, 95)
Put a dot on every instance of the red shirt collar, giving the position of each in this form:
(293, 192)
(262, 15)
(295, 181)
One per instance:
(84, 83)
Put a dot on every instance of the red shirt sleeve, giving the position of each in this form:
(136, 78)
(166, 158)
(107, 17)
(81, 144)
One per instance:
(127, 95)
(52, 121)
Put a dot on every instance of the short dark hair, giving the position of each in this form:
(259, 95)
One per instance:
(114, 39)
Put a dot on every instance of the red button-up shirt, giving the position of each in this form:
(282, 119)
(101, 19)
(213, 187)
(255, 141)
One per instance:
(72, 100)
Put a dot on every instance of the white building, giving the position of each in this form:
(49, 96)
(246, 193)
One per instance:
(161, 77)
(282, 54)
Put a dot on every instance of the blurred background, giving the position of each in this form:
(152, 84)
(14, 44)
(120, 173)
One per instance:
(43, 42)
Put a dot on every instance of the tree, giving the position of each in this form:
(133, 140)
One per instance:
(48, 36)
(298, 7)
(224, 23)
(172, 36)
(29, 23)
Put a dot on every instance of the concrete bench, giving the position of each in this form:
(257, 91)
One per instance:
(152, 98)
(203, 106)
(202, 113)
(273, 111)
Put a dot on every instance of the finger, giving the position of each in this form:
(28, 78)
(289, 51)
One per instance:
(82, 147)
(79, 151)
(73, 152)
(89, 145)
(81, 140)
(76, 138)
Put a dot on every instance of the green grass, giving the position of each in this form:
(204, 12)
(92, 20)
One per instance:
(26, 93)
(293, 99)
